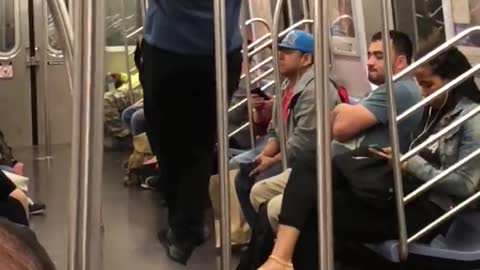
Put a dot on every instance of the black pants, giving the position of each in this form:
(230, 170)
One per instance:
(180, 109)
(354, 222)
(12, 209)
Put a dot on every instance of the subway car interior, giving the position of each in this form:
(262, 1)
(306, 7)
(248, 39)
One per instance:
(78, 148)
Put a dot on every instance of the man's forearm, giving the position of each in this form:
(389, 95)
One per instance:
(272, 148)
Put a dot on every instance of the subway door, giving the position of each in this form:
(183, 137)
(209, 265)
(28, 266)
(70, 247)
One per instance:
(15, 80)
(54, 99)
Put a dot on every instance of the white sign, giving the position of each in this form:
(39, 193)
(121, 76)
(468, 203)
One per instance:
(6, 72)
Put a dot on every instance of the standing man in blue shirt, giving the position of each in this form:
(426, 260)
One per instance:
(179, 90)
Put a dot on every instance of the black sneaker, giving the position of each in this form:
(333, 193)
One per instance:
(177, 251)
(37, 209)
(180, 251)
(151, 183)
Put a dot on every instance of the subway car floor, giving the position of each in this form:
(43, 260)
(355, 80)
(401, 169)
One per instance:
(132, 217)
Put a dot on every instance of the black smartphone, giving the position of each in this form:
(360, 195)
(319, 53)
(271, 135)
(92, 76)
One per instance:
(258, 91)
(246, 169)
(376, 147)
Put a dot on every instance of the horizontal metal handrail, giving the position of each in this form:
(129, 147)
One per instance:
(446, 88)
(259, 20)
(258, 66)
(134, 33)
(263, 76)
(425, 187)
(240, 103)
(239, 129)
(439, 134)
(431, 55)
(439, 221)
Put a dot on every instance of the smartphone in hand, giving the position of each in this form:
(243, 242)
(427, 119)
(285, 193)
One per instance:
(258, 91)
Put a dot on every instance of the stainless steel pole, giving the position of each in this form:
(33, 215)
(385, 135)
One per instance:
(63, 25)
(392, 121)
(290, 12)
(246, 63)
(278, 84)
(321, 33)
(222, 126)
(127, 51)
(85, 237)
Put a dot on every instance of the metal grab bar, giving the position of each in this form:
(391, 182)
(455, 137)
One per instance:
(222, 125)
(446, 88)
(282, 34)
(393, 129)
(422, 189)
(246, 63)
(445, 46)
(85, 236)
(439, 221)
(240, 103)
(324, 156)
(63, 25)
(239, 129)
(263, 76)
(439, 134)
(134, 33)
(258, 20)
(257, 67)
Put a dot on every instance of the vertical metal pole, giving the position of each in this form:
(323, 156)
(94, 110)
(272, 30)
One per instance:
(222, 126)
(246, 62)
(392, 121)
(63, 25)
(127, 51)
(85, 237)
(290, 12)
(324, 174)
(306, 14)
(46, 115)
(278, 84)
(415, 22)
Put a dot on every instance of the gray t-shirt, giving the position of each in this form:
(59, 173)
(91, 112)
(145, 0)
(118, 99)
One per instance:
(407, 94)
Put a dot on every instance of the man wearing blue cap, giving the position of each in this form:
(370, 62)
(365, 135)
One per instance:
(298, 116)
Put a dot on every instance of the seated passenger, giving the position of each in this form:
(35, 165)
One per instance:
(356, 223)
(116, 101)
(356, 125)
(298, 111)
(133, 118)
(13, 202)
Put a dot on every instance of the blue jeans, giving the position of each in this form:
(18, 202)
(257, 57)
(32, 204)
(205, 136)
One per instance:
(134, 118)
(243, 185)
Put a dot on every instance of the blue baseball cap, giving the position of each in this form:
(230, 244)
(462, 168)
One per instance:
(298, 40)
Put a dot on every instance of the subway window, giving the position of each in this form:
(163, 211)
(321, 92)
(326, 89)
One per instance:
(121, 14)
(54, 44)
(7, 26)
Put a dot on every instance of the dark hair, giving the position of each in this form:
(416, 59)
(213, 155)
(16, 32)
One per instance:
(402, 44)
(448, 66)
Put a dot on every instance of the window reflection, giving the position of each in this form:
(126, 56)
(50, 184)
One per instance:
(7, 25)
(343, 23)
(465, 17)
(115, 20)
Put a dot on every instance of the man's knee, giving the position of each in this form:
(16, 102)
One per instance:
(257, 195)
(274, 208)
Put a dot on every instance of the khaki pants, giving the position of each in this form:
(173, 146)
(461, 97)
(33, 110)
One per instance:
(238, 226)
(270, 191)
